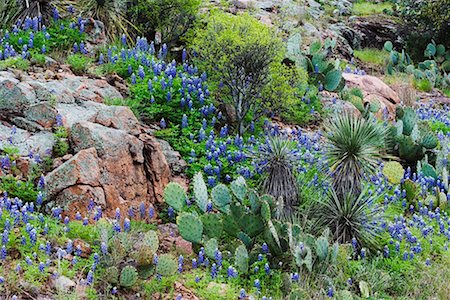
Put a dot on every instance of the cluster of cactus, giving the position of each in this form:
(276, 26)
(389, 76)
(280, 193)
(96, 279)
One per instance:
(436, 69)
(411, 139)
(238, 212)
(321, 70)
(398, 62)
(356, 97)
(134, 252)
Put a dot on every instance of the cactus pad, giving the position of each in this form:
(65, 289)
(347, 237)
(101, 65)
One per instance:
(190, 227)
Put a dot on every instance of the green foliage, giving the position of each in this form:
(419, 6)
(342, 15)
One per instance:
(128, 276)
(355, 147)
(167, 265)
(175, 196)
(231, 47)
(429, 18)
(79, 63)
(372, 56)
(190, 227)
(61, 146)
(15, 63)
(171, 18)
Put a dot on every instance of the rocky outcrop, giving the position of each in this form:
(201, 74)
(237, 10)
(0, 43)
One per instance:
(374, 89)
(115, 161)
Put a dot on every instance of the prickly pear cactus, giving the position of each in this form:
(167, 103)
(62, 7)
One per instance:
(111, 275)
(393, 171)
(150, 239)
(411, 190)
(128, 276)
(221, 197)
(443, 202)
(200, 191)
(167, 265)
(212, 225)
(190, 227)
(175, 196)
(239, 188)
(429, 140)
(409, 120)
(210, 247)
(241, 259)
(143, 255)
(322, 245)
(428, 170)
(265, 211)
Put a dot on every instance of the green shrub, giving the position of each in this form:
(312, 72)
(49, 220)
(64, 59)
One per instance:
(371, 56)
(428, 19)
(423, 85)
(238, 52)
(15, 63)
(79, 63)
(61, 146)
(172, 18)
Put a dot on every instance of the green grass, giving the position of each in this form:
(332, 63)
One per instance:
(372, 56)
(364, 8)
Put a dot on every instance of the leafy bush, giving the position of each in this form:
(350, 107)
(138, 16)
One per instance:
(238, 53)
(79, 63)
(171, 18)
(355, 146)
(429, 18)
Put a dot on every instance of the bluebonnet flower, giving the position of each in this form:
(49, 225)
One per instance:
(126, 225)
(267, 268)
(151, 212)
(197, 279)
(162, 123)
(194, 263)
(90, 278)
(3, 253)
(265, 248)
(170, 212)
(104, 248)
(257, 284)
(213, 271)
(133, 78)
(242, 294)
(330, 292)
(295, 277)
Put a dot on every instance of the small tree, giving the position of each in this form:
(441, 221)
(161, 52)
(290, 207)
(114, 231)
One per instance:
(237, 52)
(172, 18)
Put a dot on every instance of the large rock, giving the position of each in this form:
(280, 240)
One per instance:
(113, 163)
(374, 89)
(82, 169)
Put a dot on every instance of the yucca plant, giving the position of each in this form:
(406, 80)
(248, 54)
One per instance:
(276, 160)
(13, 10)
(355, 146)
(112, 13)
(349, 217)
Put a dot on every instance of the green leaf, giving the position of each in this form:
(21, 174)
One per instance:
(175, 196)
(315, 47)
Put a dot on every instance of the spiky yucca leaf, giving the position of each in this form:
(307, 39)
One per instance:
(354, 149)
(350, 217)
(112, 13)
